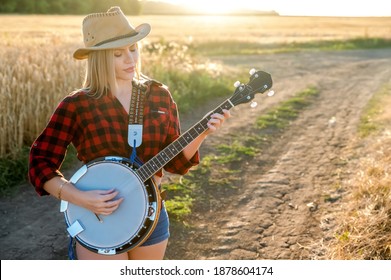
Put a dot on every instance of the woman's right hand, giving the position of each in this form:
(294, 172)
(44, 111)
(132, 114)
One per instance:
(101, 202)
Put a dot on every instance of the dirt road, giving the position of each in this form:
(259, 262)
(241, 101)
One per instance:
(291, 195)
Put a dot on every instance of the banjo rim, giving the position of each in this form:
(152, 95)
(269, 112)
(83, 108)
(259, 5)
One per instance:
(153, 199)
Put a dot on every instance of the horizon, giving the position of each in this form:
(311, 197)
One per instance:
(345, 8)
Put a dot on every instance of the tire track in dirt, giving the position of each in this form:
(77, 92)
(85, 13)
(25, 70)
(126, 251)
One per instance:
(289, 210)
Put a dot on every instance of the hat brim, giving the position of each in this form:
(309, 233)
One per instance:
(142, 31)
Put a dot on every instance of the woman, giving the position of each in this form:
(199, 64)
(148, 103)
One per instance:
(95, 120)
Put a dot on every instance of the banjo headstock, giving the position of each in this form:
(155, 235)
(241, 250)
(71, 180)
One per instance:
(259, 82)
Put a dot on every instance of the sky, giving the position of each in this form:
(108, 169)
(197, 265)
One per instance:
(294, 7)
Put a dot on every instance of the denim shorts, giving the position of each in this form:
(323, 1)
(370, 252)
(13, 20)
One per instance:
(161, 231)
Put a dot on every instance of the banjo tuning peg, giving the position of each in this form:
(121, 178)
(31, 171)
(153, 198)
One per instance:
(270, 93)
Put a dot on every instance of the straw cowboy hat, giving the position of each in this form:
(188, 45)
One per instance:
(110, 30)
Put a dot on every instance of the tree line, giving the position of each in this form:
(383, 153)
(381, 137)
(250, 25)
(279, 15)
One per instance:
(129, 7)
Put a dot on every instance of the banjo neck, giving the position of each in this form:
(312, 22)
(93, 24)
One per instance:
(156, 163)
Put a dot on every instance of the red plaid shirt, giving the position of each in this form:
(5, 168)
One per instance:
(98, 127)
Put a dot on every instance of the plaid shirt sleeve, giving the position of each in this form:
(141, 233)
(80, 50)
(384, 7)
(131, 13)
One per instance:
(48, 150)
(162, 127)
(180, 164)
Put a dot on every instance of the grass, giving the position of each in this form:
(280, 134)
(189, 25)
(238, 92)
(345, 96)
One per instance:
(281, 116)
(180, 201)
(364, 232)
(180, 197)
(214, 48)
(370, 120)
(13, 171)
(234, 152)
(192, 89)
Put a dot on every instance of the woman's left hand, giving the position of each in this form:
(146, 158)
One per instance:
(217, 121)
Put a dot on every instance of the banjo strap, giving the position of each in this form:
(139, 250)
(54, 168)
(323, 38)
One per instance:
(136, 108)
(136, 112)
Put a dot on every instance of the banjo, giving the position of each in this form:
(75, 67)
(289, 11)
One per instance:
(135, 219)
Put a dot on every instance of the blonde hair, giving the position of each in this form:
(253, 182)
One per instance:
(100, 76)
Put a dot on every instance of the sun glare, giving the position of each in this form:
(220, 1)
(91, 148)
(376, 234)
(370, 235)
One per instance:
(211, 7)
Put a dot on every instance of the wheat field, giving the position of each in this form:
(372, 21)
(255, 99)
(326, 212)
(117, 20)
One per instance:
(37, 69)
